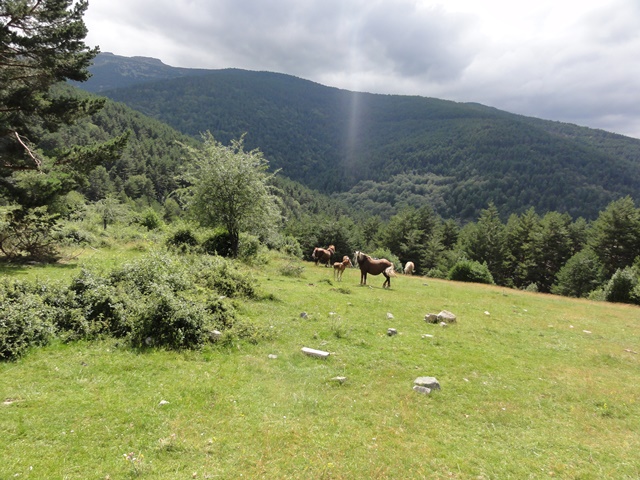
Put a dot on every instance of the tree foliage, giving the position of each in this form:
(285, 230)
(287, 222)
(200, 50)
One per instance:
(41, 45)
(229, 187)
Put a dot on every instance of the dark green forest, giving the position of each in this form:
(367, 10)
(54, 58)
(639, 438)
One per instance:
(381, 153)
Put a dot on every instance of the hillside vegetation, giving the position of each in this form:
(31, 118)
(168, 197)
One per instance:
(532, 386)
(382, 152)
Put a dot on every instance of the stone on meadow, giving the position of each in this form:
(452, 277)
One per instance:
(446, 316)
(312, 352)
(392, 331)
(423, 390)
(429, 382)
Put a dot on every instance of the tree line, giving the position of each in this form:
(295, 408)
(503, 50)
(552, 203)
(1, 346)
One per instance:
(56, 167)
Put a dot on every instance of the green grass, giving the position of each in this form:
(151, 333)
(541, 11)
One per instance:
(527, 392)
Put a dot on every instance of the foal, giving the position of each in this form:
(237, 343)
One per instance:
(338, 268)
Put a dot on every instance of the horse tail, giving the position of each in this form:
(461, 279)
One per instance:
(390, 271)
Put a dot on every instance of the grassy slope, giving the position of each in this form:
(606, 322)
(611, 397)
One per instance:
(527, 392)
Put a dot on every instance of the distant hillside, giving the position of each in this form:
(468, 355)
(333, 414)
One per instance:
(113, 71)
(379, 152)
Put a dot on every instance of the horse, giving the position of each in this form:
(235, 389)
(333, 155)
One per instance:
(338, 268)
(323, 255)
(408, 268)
(374, 267)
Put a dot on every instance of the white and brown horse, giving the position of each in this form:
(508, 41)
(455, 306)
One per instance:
(323, 255)
(374, 267)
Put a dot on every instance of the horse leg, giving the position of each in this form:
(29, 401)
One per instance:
(387, 282)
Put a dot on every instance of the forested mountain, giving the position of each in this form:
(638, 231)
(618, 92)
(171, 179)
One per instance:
(379, 152)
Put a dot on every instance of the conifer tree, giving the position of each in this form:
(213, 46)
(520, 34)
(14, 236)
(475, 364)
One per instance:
(41, 46)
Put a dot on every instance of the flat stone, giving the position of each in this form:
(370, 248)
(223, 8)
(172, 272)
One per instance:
(429, 382)
(391, 332)
(315, 353)
(423, 390)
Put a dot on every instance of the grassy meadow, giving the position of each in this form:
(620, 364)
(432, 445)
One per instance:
(532, 386)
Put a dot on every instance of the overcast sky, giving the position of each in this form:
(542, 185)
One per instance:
(575, 61)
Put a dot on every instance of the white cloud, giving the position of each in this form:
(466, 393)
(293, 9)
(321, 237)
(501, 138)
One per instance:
(572, 61)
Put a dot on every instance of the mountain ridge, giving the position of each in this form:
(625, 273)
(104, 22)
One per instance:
(384, 152)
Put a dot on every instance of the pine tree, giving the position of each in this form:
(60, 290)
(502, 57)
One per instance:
(41, 46)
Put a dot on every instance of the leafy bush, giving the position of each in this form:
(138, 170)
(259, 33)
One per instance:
(219, 243)
(249, 247)
(183, 239)
(25, 320)
(171, 321)
(621, 286)
(150, 219)
(72, 234)
(471, 271)
(222, 277)
(100, 307)
(291, 270)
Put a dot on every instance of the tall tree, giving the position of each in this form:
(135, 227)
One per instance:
(229, 187)
(486, 242)
(41, 45)
(616, 235)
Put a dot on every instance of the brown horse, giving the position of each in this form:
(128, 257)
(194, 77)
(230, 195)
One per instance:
(374, 267)
(323, 255)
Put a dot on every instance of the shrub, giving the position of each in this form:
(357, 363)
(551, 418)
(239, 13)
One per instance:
(290, 246)
(220, 243)
(183, 240)
(291, 270)
(471, 271)
(227, 281)
(621, 286)
(150, 219)
(25, 321)
(172, 322)
(100, 307)
(248, 247)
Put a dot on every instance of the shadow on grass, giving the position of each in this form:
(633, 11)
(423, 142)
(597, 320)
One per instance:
(20, 269)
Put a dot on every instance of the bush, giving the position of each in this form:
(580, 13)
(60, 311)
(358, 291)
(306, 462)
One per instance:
(172, 322)
(289, 245)
(220, 243)
(248, 247)
(621, 286)
(471, 271)
(150, 219)
(226, 280)
(183, 240)
(292, 270)
(25, 321)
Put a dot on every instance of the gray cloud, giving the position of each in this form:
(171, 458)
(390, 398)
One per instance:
(577, 65)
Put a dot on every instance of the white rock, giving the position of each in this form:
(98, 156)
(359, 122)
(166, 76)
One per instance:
(315, 353)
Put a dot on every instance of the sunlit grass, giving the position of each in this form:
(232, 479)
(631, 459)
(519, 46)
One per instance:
(533, 386)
